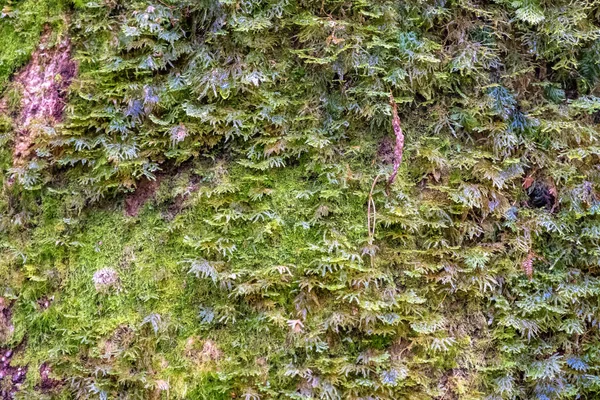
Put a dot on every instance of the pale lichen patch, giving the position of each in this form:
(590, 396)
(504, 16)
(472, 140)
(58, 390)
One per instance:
(43, 85)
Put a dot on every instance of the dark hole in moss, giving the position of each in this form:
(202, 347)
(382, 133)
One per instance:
(540, 196)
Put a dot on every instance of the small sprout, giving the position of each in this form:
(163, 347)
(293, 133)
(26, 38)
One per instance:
(106, 279)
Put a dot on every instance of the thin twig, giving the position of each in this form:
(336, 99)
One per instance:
(371, 205)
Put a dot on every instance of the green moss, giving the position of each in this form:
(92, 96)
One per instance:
(252, 273)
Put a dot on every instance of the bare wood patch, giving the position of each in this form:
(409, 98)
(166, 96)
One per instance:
(146, 189)
(43, 84)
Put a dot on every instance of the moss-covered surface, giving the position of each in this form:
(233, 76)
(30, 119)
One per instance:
(276, 259)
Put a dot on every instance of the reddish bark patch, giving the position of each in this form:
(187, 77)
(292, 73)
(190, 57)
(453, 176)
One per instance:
(47, 384)
(145, 191)
(178, 203)
(44, 82)
(11, 377)
(6, 327)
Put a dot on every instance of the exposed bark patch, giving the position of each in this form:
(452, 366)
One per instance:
(6, 327)
(178, 202)
(11, 377)
(47, 383)
(44, 82)
(145, 191)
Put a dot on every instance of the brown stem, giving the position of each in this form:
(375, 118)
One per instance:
(399, 148)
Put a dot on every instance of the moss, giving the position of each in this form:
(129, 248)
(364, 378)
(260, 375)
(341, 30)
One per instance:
(276, 260)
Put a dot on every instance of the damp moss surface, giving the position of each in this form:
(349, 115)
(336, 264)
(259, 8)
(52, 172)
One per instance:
(217, 209)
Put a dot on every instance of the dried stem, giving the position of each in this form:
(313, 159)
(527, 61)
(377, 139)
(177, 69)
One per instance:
(527, 264)
(371, 219)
